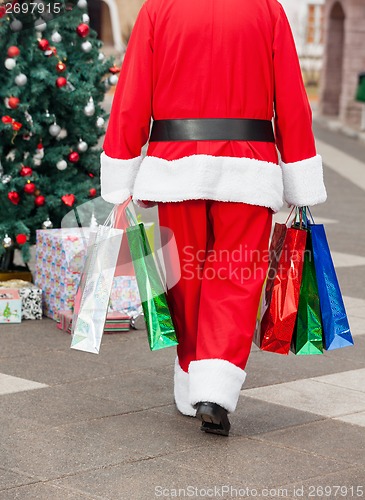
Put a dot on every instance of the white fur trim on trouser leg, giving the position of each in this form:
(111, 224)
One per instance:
(181, 391)
(117, 177)
(217, 381)
(303, 182)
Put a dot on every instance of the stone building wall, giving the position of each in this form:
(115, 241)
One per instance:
(344, 59)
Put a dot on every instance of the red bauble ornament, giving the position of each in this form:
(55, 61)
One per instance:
(39, 201)
(91, 175)
(21, 238)
(25, 171)
(13, 102)
(43, 44)
(114, 70)
(74, 157)
(61, 81)
(13, 51)
(14, 197)
(60, 67)
(68, 199)
(2, 11)
(29, 188)
(92, 192)
(83, 30)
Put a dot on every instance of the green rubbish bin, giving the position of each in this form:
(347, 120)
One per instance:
(360, 93)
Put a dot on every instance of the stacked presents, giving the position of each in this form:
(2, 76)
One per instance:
(60, 257)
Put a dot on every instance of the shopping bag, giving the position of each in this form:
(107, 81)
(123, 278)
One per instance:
(307, 338)
(336, 329)
(282, 289)
(92, 297)
(160, 328)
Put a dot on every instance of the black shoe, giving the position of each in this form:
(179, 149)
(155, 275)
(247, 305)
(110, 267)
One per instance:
(214, 418)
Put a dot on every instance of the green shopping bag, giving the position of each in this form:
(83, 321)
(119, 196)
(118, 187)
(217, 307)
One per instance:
(307, 338)
(160, 328)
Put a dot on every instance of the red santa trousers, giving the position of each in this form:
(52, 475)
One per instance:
(223, 252)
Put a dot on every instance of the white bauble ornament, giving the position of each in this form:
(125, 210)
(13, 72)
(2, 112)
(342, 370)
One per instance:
(56, 37)
(82, 146)
(113, 79)
(63, 134)
(54, 130)
(5, 179)
(89, 109)
(61, 165)
(82, 4)
(101, 56)
(21, 80)
(85, 18)
(100, 122)
(40, 25)
(10, 63)
(47, 224)
(16, 25)
(86, 46)
(7, 241)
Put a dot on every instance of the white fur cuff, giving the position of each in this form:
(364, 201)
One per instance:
(222, 178)
(181, 391)
(303, 182)
(217, 381)
(117, 177)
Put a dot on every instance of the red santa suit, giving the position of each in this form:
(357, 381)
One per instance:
(213, 59)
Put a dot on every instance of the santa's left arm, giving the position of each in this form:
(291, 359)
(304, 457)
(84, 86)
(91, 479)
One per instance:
(301, 165)
(129, 123)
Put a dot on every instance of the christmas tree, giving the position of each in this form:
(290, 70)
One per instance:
(7, 311)
(53, 79)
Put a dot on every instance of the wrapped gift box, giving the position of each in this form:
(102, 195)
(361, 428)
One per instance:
(31, 297)
(60, 254)
(10, 306)
(116, 322)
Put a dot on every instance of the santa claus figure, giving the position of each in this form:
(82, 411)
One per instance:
(231, 141)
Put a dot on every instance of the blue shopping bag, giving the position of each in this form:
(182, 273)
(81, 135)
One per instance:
(336, 329)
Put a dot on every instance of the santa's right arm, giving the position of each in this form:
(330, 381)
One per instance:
(129, 123)
(301, 165)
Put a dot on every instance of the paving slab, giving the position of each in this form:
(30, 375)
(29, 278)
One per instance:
(56, 367)
(327, 438)
(254, 463)
(353, 418)
(143, 480)
(351, 482)
(56, 406)
(133, 391)
(254, 417)
(10, 385)
(353, 379)
(313, 396)
(49, 453)
(11, 479)
(44, 491)
(266, 368)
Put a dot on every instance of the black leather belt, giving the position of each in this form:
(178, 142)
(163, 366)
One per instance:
(212, 129)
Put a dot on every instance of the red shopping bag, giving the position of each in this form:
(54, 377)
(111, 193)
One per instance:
(281, 295)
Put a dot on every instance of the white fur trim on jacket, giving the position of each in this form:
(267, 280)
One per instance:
(117, 177)
(181, 391)
(217, 381)
(303, 182)
(219, 178)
